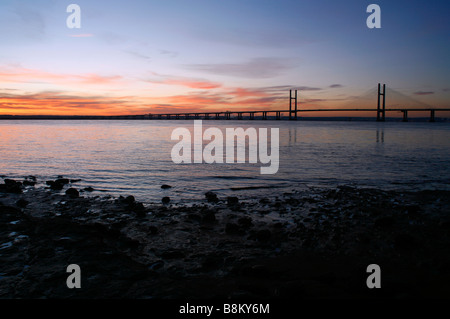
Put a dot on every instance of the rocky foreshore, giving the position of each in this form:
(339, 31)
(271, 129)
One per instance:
(314, 243)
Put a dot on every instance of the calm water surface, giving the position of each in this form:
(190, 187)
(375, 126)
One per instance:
(134, 157)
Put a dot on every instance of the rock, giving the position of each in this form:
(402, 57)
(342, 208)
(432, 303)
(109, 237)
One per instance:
(28, 183)
(172, 254)
(165, 186)
(63, 181)
(153, 230)
(292, 201)
(141, 213)
(89, 189)
(384, 222)
(22, 203)
(11, 186)
(209, 216)
(166, 200)
(404, 241)
(72, 192)
(75, 180)
(194, 216)
(10, 182)
(137, 208)
(259, 271)
(245, 222)
(156, 265)
(129, 200)
(211, 262)
(211, 197)
(232, 229)
(445, 224)
(263, 235)
(232, 201)
(56, 185)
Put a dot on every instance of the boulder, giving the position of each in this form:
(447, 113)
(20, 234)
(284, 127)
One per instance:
(232, 201)
(72, 192)
(263, 235)
(211, 197)
(22, 203)
(11, 186)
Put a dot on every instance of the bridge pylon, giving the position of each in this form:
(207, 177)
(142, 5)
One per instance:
(381, 109)
(291, 97)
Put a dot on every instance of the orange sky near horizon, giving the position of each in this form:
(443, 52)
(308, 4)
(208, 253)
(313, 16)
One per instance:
(37, 92)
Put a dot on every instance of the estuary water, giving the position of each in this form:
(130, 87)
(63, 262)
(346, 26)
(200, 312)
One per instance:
(133, 157)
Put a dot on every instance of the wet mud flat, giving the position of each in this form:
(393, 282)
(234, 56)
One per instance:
(306, 244)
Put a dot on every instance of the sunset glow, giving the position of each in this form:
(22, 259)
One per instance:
(139, 57)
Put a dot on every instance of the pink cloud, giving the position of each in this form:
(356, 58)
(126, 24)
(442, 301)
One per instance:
(194, 84)
(24, 75)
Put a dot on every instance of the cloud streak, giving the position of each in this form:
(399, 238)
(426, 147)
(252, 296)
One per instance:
(56, 103)
(24, 75)
(254, 68)
(423, 93)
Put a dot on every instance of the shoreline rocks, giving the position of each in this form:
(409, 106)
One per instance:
(312, 243)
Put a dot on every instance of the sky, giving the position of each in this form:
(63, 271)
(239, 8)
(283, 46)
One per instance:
(165, 56)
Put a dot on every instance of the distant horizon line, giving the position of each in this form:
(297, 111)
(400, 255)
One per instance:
(145, 117)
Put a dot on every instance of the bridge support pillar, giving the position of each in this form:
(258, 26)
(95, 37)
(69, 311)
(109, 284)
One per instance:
(405, 116)
(432, 116)
(381, 109)
(291, 97)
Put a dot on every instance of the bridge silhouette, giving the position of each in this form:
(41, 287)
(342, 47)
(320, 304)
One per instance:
(294, 112)
(400, 102)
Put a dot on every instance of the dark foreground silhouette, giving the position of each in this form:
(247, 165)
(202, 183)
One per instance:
(305, 244)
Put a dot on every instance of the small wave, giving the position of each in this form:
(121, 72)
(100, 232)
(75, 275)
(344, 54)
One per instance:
(232, 177)
(255, 187)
